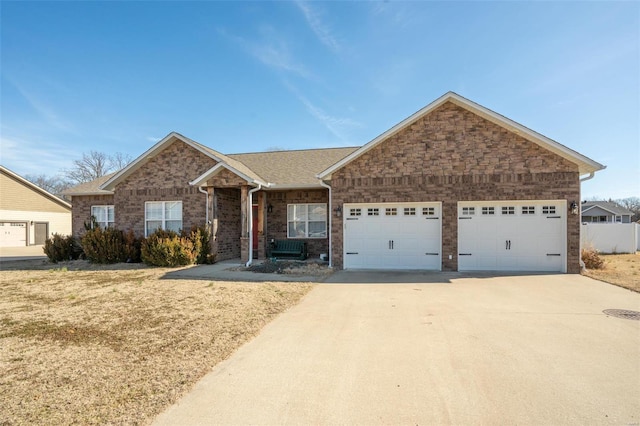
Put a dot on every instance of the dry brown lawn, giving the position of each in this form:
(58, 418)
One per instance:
(620, 269)
(81, 344)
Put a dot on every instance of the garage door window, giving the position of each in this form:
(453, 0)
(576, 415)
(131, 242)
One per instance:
(508, 210)
(528, 210)
(309, 220)
(409, 211)
(355, 212)
(373, 212)
(162, 215)
(468, 211)
(548, 209)
(391, 211)
(104, 216)
(488, 210)
(428, 211)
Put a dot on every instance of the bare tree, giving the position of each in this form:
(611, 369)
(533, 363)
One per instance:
(95, 164)
(632, 204)
(52, 184)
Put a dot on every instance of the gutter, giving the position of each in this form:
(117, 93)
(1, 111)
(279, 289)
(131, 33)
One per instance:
(329, 230)
(591, 175)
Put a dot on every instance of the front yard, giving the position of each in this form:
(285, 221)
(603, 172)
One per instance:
(620, 269)
(83, 344)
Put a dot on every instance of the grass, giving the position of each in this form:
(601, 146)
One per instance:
(620, 269)
(86, 344)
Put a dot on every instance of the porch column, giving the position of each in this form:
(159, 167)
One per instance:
(262, 229)
(244, 220)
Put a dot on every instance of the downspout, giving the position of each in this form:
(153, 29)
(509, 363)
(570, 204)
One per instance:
(206, 206)
(591, 175)
(250, 227)
(329, 231)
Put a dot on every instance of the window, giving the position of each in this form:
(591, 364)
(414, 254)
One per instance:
(308, 220)
(508, 210)
(390, 211)
(162, 215)
(355, 212)
(468, 211)
(409, 211)
(488, 210)
(373, 211)
(528, 210)
(428, 211)
(104, 216)
(548, 209)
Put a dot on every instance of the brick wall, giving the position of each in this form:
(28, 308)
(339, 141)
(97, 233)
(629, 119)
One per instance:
(165, 177)
(277, 219)
(453, 155)
(229, 226)
(81, 210)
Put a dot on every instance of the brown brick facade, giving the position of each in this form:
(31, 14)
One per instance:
(453, 155)
(164, 177)
(229, 227)
(277, 219)
(81, 210)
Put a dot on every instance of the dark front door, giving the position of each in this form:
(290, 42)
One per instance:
(41, 232)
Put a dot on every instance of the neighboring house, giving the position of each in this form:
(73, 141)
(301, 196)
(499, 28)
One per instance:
(604, 211)
(28, 213)
(607, 227)
(455, 186)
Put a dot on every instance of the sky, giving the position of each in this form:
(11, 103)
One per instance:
(116, 76)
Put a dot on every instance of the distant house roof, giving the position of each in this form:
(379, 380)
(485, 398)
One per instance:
(609, 206)
(34, 187)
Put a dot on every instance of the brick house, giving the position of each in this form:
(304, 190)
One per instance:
(455, 186)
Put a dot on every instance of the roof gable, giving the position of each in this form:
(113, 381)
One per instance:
(585, 164)
(591, 207)
(34, 188)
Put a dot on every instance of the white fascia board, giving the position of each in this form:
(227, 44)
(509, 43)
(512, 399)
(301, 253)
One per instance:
(138, 162)
(585, 165)
(275, 186)
(36, 188)
(202, 179)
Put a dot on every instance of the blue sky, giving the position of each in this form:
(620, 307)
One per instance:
(252, 76)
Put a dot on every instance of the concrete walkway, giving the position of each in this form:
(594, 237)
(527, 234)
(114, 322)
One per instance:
(9, 254)
(495, 350)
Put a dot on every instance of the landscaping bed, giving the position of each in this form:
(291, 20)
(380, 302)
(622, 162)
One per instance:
(92, 344)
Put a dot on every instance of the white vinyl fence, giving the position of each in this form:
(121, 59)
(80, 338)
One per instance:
(611, 237)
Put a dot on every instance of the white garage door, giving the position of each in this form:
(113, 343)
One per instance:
(392, 236)
(13, 234)
(512, 236)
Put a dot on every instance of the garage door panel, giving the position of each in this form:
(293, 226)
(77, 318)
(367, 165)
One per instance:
(531, 238)
(408, 239)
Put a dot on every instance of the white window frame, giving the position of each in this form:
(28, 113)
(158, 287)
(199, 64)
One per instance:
(107, 223)
(307, 220)
(164, 220)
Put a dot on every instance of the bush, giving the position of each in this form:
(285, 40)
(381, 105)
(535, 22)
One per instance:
(110, 245)
(592, 259)
(200, 236)
(167, 248)
(60, 248)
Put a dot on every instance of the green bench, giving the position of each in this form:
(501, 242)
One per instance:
(288, 248)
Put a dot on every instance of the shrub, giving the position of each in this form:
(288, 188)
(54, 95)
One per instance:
(110, 245)
(200, 236)
(592, 259)
(60, 248)
(167, 248)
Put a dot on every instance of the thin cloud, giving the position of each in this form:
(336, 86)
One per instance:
(339, 127)
(315, 22)
(152, 139)
(272, 51)
(51, 159)
(49, 115)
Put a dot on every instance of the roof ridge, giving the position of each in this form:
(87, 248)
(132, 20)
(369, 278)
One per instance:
(296, 150)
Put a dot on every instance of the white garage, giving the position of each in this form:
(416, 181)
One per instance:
(13, 234)
(512, 236)
(393, 236)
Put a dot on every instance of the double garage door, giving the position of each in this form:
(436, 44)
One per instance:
(492, 236)
(13, 234)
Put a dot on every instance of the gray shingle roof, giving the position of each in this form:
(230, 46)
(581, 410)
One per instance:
(292, 167)
(90, 188)
(607, 205)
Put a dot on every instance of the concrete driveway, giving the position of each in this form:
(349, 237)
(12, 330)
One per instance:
(492, 350)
